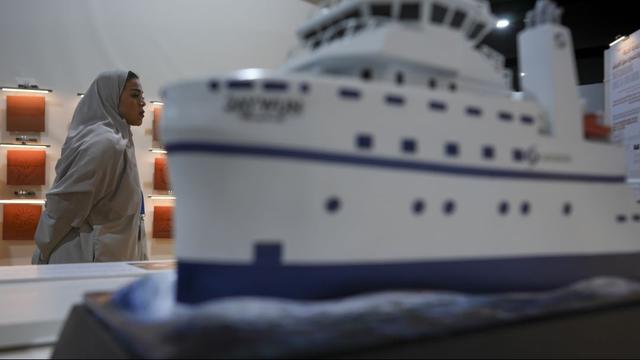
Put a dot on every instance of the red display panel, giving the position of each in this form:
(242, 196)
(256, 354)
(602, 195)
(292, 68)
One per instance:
(157, 116)
(26, 167)
(19, 221)
(163, 222)
(160, 175)
(25, 113)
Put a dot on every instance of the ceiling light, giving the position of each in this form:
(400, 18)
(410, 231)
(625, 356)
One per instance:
(23, 201)
(162, 197)
(29, 90)
(25, 146)
(618, 39)
(502, 23)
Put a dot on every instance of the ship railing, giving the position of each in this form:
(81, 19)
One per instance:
(344, 29)
(324, 6)
(494, 56)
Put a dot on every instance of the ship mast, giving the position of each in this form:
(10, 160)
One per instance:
(548, 70)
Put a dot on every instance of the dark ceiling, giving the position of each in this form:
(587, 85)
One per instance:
(593, 24)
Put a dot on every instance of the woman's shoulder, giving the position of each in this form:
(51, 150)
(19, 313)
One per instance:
(103, 142)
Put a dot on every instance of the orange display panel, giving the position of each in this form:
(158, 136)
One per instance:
(26, 167)
(19, 221)
(160, 175)
(157, 116)
(595, 130)
(163, 222)
(25, 113)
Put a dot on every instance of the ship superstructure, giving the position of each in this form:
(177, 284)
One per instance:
(390, 152)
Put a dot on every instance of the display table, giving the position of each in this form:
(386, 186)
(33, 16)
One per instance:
(598, 317)
(36, 299)
(604, 334)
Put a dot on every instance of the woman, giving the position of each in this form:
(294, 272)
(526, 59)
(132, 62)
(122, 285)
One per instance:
(94, 208)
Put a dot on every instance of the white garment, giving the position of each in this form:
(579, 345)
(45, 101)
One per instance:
(92, 212)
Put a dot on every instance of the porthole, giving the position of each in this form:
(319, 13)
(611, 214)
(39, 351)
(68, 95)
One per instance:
(364, 141)
(332, 205)
(451, 149)
(409, 146)
(567, 209)
(488, 152)
(503, 208)
(518, 155)
(419, 207)
(449, 207)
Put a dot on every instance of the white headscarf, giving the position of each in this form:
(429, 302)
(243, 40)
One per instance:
(92, 210)
(98, 109)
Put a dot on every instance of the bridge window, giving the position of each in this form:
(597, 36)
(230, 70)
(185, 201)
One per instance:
(355, 14)
(476, 29)
(474, 111)
(438, 106)
(410, 11)
(395, 100)
(349, 93)
(240, 84)
(310, 35)
(438, 13)
(381, 10)
(505, 116)
(527, 119)
(458, 19)
(275, 86)
(338, 34)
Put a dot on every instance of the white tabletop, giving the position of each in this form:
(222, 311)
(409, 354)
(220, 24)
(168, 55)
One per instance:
(35, 300)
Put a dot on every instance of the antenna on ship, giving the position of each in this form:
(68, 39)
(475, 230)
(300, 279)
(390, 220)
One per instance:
(546, 57)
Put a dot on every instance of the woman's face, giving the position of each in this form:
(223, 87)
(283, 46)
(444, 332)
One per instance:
(131, 106)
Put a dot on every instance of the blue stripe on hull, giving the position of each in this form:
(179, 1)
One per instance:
(199, 282)
(388, 163)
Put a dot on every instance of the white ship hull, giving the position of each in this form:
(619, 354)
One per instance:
(277, 196)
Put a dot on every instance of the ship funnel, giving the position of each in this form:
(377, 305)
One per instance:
(548, 69)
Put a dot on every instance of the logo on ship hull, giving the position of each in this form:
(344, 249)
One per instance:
(534, 156)
(264, 109)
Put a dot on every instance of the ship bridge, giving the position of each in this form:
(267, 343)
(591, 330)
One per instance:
(429, 42)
